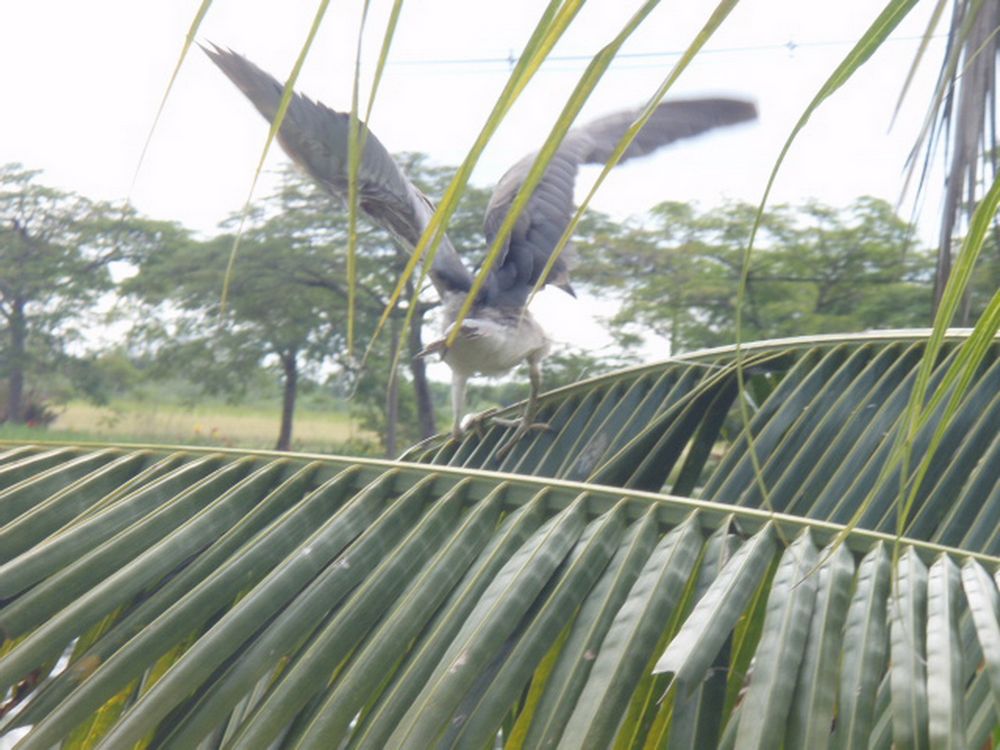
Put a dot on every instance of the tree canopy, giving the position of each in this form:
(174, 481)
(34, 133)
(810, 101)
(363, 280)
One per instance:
(815, 269)
(284, 303)
(56, 252)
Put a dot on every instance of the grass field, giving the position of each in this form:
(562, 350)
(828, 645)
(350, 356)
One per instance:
(239, 426)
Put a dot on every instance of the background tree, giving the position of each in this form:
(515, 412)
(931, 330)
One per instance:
(287, 303)
(815, 270)
(399, 415)
(56, 249)
(270, 315)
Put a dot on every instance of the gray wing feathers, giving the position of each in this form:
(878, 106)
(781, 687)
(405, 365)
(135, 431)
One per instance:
(315, 137)
(548, 212)
(671, 121)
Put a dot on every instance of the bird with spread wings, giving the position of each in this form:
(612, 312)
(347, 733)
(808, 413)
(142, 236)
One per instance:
(499, 332)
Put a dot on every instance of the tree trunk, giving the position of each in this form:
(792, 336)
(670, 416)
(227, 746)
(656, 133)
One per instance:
(421, 386)
(392, 397)
(18, 354)
(289, 363)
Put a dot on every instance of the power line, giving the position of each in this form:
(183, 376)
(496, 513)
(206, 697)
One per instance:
(790, 46)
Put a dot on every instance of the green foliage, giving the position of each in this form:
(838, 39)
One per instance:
(984, 282)
(56, 254)
(244, 599)
(279, 308)
(104, 375)
(818, 270)
(320, 601)
(286, 306)
(277, 302)
(815, 270)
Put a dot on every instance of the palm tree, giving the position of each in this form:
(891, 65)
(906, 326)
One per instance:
(963, 114)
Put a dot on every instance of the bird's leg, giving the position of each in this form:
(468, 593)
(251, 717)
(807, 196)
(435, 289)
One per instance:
(474, 422)
(526, 422)
(458, 383)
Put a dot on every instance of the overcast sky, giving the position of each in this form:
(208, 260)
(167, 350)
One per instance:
(82, 81)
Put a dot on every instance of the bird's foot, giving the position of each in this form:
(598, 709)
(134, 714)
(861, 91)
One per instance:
(523, 427)
(473, 423)
(478, 423)
(507, 422)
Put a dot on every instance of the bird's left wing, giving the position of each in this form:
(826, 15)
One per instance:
(550, 208)
(315, 137)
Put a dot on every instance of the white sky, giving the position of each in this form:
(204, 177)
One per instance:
(82, 81)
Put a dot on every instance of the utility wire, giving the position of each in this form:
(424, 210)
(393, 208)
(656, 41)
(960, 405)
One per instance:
(790, 46)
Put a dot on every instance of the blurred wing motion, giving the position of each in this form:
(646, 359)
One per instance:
(315, 137)
(547, 214)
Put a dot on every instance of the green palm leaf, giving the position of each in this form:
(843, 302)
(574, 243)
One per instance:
(186, 596)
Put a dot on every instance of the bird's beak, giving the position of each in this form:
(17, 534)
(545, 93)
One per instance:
(568, 288)
(435, 347)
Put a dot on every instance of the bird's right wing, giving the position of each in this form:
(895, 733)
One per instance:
(315, 137)
(549, 210)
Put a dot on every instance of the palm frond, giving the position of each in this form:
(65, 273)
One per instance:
(185, 596)
(825, 414)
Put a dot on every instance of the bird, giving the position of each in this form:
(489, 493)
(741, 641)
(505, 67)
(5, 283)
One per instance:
(499, 332)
